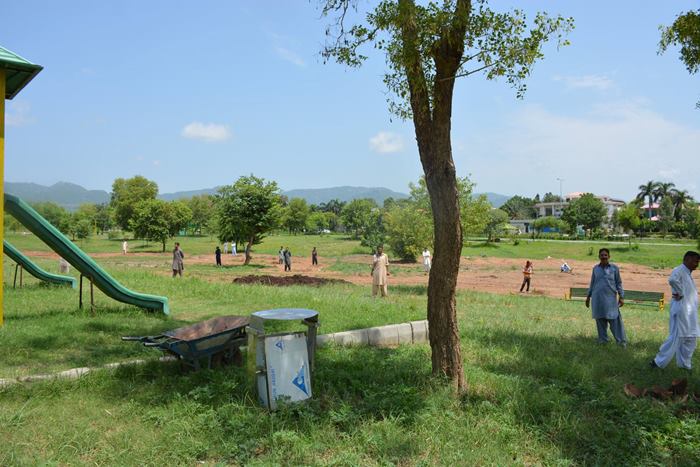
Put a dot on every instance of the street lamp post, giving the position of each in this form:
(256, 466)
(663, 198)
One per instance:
(561, 196)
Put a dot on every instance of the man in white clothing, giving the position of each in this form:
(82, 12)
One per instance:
(426, 261)
(683, 322)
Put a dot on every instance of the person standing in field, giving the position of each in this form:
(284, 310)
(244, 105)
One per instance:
(178, 260)
(125, 247)
(427, 261)
(605, 297)
(233, 249)
(225, 247)
(314, 257)
(683, 328)
(217, 255)
(380, 271)
(280, 255)
(287, 259)
(527, 276)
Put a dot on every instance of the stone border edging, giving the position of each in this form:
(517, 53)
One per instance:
(413, 332)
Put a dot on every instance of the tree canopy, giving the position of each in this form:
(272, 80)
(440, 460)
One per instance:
(247, 210)
(684, 32)
(126, 193)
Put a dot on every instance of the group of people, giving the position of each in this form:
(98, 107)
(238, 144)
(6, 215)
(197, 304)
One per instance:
(285, 257)
(606, 296)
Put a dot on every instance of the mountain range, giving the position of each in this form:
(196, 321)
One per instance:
(70, 195)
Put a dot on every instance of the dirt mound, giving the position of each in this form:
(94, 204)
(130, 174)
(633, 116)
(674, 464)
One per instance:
(282, 281)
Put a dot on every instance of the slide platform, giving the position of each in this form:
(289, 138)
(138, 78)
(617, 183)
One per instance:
(59, 243)
(32, 268)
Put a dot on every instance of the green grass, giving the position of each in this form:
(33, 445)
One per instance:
(540, 391)
(656, 256)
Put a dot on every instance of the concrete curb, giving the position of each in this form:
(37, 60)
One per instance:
(414, 332)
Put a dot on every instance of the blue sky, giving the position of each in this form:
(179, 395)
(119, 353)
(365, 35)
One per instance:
(195, 94)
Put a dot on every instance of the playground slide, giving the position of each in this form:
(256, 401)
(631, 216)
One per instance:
(32, 268)
(80, 261)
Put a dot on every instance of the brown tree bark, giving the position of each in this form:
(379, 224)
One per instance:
(248, 257)
(433, 123)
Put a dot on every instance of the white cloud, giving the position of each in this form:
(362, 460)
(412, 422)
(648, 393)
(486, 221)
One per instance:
(156, 163)
(18, 114)
(386, 142)
(600, 82)
(209, 132)
(291, 57)
(610, 150)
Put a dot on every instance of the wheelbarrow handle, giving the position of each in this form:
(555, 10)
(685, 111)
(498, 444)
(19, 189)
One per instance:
(143, 338)
(151, 344)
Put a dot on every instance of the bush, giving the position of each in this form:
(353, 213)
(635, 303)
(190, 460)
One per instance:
(115, 234)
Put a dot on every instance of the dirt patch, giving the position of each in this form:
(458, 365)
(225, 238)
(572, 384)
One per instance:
(283, 281)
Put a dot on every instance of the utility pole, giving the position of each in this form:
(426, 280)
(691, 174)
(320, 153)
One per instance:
(561, 196)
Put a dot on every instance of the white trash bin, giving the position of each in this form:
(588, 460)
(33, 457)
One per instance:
(281, 364)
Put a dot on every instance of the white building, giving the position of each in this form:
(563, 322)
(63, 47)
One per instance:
(556, 209)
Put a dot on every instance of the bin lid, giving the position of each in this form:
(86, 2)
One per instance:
(286, 314)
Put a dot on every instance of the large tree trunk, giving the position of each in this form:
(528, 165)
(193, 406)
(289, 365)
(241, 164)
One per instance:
(442, 303)
(432, 120)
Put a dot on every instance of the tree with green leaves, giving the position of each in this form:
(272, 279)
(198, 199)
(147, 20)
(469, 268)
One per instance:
(157, 220)
(545, 222)
(126, 193)
(684, 32)
(648, 191)
(496, 223)
(551, 198)
(357, 216)
(520, 207)
(629, 219)
(83, 222)
(409, 229)
(586, 211)
(54, 213)
(295, 215)
(247, 211)
(103, 217)
(681, 202)
(202, 207)
(666, 218)
(427, 47)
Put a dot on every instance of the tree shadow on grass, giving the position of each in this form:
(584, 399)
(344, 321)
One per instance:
(570, 391)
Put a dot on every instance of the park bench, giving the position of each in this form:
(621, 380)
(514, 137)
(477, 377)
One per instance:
(657, 299)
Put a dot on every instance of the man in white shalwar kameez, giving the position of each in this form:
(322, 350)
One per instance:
(380, 270)
(683, 322)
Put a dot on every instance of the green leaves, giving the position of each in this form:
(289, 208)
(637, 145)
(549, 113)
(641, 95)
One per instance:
(496, 44)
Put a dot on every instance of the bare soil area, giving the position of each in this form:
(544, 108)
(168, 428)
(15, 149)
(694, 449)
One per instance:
(486, 274)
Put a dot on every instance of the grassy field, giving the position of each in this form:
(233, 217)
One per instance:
(541, 392)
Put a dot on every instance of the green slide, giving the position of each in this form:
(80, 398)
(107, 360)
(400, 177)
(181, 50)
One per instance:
(80, 261)
(32, 268)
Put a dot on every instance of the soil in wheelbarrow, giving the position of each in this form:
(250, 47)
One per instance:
(283, 281)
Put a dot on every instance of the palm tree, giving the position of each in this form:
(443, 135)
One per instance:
(663, 189)
(681, 199)
(648, 190)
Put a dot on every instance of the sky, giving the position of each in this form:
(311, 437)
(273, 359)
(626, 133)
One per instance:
(193, 95)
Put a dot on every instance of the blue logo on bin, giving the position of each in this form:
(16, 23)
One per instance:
(300, 380)
(280, 345)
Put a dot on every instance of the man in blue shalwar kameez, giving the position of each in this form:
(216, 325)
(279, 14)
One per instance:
(605, 297)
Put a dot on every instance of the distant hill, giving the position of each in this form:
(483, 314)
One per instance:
(343, 193)
(187, 194)
(68, 195)
(495, 199)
